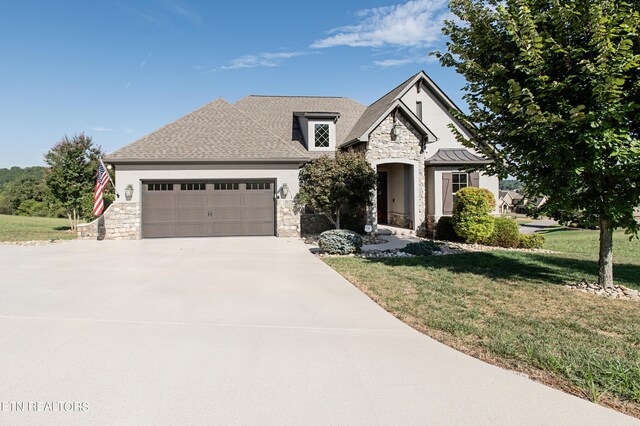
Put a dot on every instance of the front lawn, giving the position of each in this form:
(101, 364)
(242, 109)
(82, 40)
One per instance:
(583, 243)
(507, 308)
(20, 228)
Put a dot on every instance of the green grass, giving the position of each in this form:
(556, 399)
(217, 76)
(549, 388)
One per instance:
(20, 228)
(584, 244)
(507, 308)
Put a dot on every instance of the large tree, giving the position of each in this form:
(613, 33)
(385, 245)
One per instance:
(553, 91)
(328, 185)
(73, 164)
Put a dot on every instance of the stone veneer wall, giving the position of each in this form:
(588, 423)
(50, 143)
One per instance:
(406, 146)
(121, 221)
(287, 218)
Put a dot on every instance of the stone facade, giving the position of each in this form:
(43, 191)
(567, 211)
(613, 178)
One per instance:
(406, 146)
(287, 218)
(121, 221)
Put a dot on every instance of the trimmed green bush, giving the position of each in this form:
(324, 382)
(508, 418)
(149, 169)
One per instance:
(445, 231)
(472, 218)
(532, 241)
(422, 248)
(505, 233)
(340, 241)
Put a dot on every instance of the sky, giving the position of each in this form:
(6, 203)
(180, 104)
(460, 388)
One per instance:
(117, 70)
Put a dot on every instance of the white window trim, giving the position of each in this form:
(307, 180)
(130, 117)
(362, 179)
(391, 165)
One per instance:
(311, 133)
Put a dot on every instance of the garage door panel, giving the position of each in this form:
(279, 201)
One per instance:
(179, 209)
(227, 214)
(161, 229)
(159, 215)
(192, 229)
(220, 229)
(263, 228)
(199, 201)
(192, 214)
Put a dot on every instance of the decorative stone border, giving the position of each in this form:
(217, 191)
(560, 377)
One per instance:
(617, 292)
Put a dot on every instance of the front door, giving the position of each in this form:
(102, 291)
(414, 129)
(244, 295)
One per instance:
(382, 198)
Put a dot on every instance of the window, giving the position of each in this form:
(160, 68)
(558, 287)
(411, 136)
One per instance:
(193, 187)
(258, 185)
(419, 110)
(226, 186)
(321, 136)
(459, 180)
(159, 187)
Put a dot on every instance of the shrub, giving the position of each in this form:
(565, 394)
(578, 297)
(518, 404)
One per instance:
(340, 241)
(533, 241)
(471, 214)
(32, 208)
(505, 233)
(445, 231)
(422, 248)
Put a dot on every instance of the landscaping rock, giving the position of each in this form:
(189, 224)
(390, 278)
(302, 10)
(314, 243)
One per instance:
(617, 292)
(32, 243)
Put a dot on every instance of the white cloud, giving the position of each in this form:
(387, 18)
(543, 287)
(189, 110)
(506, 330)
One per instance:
(417, 23)
(265, 59)
(182, 11)
(145, 60)
(398, 62)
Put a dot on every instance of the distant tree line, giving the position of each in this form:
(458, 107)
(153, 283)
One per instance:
(510, 185)
(63, 189)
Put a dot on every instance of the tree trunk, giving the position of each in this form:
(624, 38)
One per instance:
(606, 254)
(70, 219)
(338, 219)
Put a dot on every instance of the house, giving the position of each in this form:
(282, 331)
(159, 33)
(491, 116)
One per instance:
(232, 169)
(509, 201)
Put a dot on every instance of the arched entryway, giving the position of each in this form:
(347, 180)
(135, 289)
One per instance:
(396, 194)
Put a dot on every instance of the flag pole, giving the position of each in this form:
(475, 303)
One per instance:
(106, 170)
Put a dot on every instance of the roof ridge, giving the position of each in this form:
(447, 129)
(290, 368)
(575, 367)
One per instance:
(397, 87)
(298, 96)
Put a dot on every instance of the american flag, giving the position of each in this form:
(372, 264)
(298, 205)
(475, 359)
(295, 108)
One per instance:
(102, 179)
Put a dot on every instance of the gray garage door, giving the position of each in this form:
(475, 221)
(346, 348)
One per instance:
(208, 209)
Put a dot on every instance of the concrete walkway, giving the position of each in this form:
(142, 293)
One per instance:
(234, 331)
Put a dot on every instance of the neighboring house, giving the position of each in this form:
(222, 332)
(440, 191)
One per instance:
(233, 169)
(510, 201)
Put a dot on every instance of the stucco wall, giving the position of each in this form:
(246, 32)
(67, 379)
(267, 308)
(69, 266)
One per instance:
(489, 182)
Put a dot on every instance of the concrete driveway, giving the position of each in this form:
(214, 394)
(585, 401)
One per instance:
(233, 331)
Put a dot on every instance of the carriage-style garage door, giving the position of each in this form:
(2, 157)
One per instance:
(208, 209)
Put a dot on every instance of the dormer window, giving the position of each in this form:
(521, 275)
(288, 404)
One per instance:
(318, 129)
(321, 135)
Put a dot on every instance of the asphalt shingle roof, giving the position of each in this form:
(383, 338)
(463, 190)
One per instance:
(374, 111)
(215, 132)
(276, 113)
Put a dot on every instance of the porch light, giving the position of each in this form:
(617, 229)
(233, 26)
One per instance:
(284, 190)
(128, 192)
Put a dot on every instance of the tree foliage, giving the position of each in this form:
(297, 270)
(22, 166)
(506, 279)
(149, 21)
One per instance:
(327, 185)
(472, 218)
(73, 164)
(553, 90)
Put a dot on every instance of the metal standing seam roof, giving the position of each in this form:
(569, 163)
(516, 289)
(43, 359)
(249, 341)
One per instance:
(456, 156)
(217, 131)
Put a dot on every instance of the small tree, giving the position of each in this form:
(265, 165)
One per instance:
(472, 218)
(73, 164)
(553, 89)
(327, 185)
